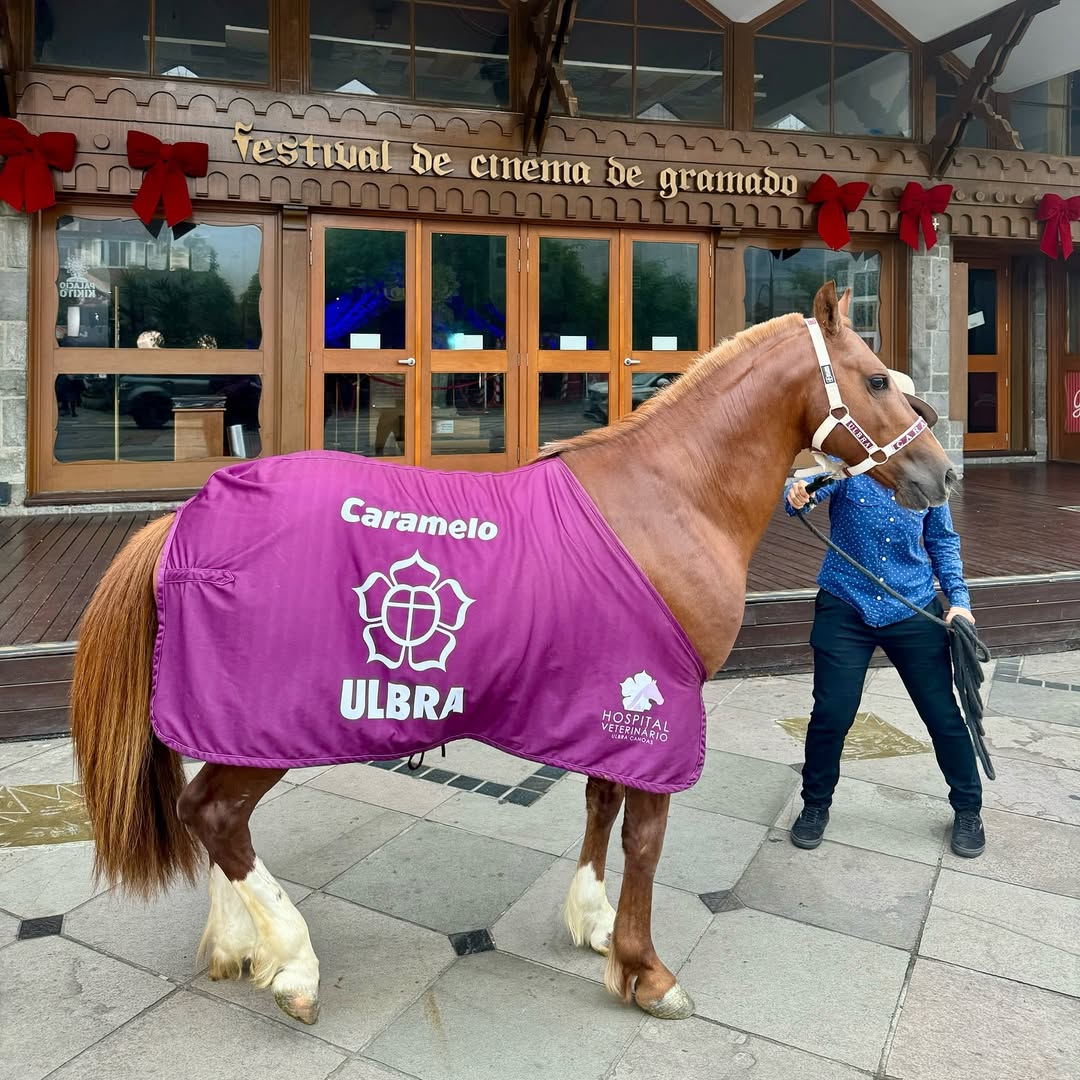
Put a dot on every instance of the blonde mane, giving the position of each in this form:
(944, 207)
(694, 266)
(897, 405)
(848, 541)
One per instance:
(698, 372)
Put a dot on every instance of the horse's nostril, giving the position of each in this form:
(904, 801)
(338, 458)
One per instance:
(951, 477)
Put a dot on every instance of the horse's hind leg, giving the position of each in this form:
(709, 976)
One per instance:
(587, 913)
(229, 940)
(633, 966)
(217, 805)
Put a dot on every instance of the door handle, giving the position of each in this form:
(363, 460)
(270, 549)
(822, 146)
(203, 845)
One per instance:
(629, 361)
(409, 361)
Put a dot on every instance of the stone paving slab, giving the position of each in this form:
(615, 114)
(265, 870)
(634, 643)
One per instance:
(740, 787)
(963, 1025)
(1035, 702)
(750, 733)
(775, 696)
(9, 927)
(699, 1050)
(191, 1038)
(55, 765)
(858, 892)
(703, 852)
(59, 998)
(1034, 740)
(47, 879)
(381, 787)
(1018, 933)
(362, 1069)
(814, 989)
(492, 1017)
(14, 750)
(885, 819)
(1026, 851)
(371, 968)
(161, 934)
(407, 877)
(312, 836)
(533, 927)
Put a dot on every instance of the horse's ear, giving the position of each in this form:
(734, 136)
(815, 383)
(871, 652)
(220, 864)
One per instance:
(827, 310)
(844, 306)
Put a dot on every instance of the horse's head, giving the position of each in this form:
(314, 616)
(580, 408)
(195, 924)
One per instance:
(876, 422)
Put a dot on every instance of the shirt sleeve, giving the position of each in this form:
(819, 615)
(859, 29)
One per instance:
(943, 546)
(818, 496)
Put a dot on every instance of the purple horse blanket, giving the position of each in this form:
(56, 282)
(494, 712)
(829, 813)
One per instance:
(320, 608)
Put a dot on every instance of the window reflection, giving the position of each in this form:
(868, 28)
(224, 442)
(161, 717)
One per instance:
(156, 417)
(467, 413)
(570, 403)
(574, 293)
(408, 49)
(643, 386)
(664, 303)
(364, 414)
(124, 286)
(783, 280)
(365, 289)
(468, 291)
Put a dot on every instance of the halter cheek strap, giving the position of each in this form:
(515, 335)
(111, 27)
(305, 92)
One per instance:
(840, 416)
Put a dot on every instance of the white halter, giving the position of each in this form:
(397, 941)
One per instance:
(839, 416)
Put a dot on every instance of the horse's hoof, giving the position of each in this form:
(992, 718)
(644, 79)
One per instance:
(300, 1006)
(600, 942)
(676, 1004)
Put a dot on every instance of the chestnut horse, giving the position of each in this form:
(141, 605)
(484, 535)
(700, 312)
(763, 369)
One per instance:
(707, 456)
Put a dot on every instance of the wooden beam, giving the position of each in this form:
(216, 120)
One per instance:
(547, 47)
(1009, 26)
(983, 110)
(985, 25)
(8, 63)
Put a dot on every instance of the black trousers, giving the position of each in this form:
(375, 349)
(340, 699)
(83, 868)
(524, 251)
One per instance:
(919, 650)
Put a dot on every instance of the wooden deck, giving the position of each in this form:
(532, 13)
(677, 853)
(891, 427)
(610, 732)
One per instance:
(1021, 554)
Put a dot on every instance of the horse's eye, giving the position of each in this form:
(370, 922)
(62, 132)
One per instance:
(878, 382)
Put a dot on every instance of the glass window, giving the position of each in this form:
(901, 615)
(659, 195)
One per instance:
(571, 403)
(1045, 117)
(647, 60)
(467, 413)
(975, 132)
(365, 289)
(364, 414)
(982, 311)
(124, 286)
(208, 39)
(221, 40)
(783, 280)
(156, 417)
(982, 402)
(468, 291)
(664, 300)
(820, 82)
(456, 54)
(574, 293)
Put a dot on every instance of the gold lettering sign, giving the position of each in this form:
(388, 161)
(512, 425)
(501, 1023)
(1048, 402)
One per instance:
(376, 157)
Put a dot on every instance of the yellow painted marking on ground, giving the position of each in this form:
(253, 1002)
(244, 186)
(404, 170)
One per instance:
(43, 814)
(869, 737)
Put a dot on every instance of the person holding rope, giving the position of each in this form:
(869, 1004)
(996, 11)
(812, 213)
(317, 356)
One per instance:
(908, 548)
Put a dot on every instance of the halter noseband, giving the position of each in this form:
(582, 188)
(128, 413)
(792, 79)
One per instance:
(840, 416)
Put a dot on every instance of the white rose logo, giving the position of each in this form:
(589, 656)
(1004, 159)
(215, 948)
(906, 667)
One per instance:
(411, 614)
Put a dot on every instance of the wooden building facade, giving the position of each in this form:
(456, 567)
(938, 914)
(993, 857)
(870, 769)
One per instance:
(448, 233)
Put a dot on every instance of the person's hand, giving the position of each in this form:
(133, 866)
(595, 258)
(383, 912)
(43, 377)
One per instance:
(962, 612)
(797, 496)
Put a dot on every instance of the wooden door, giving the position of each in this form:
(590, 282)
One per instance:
(988, 389)
(364, 337)
(1063, 383)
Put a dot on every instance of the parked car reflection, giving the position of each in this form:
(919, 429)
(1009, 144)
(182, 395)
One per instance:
(643, 385)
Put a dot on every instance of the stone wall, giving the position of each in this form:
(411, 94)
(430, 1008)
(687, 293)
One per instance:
(1039, 359)
(929, 329)
(14, 277)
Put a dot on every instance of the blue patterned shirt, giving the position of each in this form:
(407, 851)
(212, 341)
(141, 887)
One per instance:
(907, 548)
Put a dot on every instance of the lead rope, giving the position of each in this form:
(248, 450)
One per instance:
(968, 652)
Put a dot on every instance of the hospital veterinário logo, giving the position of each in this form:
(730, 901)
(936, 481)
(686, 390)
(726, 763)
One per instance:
(635, 722)
(411, 616)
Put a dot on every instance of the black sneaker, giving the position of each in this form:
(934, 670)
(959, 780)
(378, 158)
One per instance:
(809, 827)
(968, 838)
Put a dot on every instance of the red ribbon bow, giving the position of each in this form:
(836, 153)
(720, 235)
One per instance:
(917, 207)
(1058, 213)
(25, 181)
(837, 201)
(167, 167)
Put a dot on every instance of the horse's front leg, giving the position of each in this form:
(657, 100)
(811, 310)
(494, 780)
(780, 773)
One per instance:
(216, 805)
(587, 913)
(633, 966)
